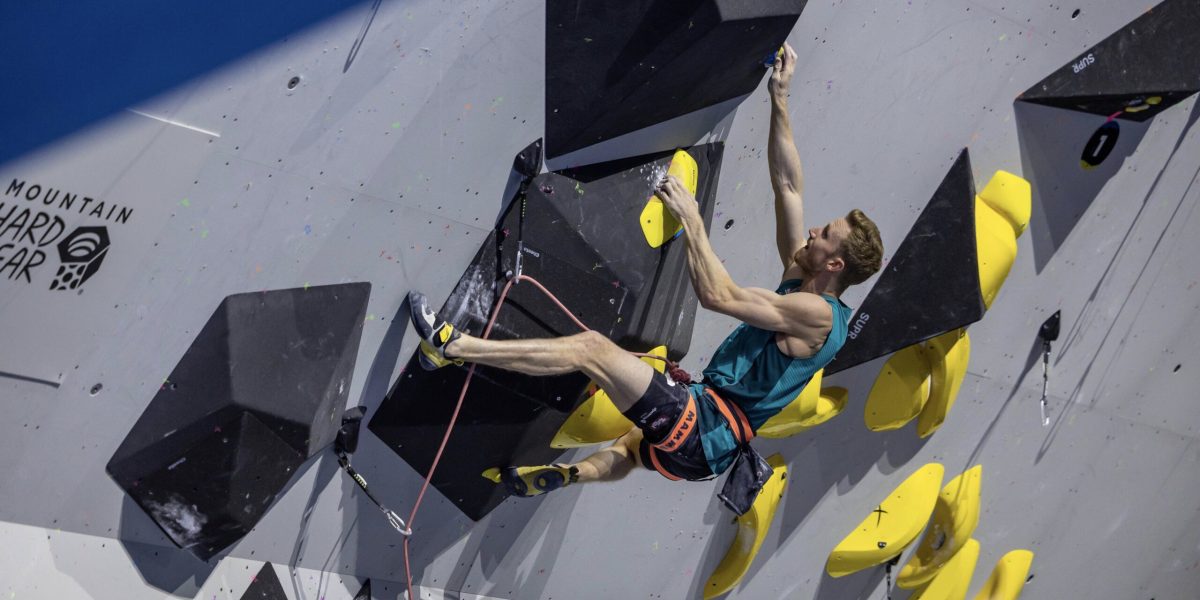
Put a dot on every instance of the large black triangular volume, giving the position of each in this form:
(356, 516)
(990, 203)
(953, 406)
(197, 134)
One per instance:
(583, 241)
(931, 284)
(258, 392)
(265, 585)
(1144, 68)
(616, 67)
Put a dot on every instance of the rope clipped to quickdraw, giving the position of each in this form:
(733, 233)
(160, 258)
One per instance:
(344, 445)
(528, 164)
(393, 519)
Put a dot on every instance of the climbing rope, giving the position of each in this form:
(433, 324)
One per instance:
(676, 373)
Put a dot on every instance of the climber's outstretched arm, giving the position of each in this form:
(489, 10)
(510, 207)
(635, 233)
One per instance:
(783, 160)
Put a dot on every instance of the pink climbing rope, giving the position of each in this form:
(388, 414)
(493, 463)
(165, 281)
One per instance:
(676, 373)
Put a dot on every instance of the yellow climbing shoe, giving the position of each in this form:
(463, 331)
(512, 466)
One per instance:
(533, 481)
(435, 335)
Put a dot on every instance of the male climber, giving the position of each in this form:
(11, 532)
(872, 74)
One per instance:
(694, 431)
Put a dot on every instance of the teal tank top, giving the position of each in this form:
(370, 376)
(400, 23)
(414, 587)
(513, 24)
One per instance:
(749, 370)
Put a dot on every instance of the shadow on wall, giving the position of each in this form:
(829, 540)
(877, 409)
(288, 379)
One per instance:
(852, 587)
(160, 563)
(170, 569)
(327, 469)
(110, 51)
(1094, 310)
(712, 122)
(1054, 145)
(500, 546)
(512, 535)
(1031, 362)
(722, 535)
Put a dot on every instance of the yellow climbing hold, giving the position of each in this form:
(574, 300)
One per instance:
(658, 224)
(597, 419)
(811, 407)
(1145, 105)
(752, 530)
(1008, 578)
(891, 527)
(829, 405)
(953, 580)
(900, 390)
(955, 516)
(1002, 212)
(948, 356)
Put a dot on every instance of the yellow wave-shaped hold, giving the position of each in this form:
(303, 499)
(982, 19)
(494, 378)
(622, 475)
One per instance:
(1008, 578)
(955, 516)
(900, 390)
(948, 356)
(891, 527)
(658, 224)
(1002, 212)
(954, 578)
(923, 380)
(829, 405)
(597, 419)
(812, 407)
(752, 530)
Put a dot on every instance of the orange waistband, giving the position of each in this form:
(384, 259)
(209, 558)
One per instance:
(684, 426)
(688, 422)
(658, 466)
(738, 423)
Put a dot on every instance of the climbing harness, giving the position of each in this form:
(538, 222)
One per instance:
(687, 424)
(684, 426)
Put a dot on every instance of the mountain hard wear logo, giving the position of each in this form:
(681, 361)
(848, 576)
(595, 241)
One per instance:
(32, 227)
(81, 254)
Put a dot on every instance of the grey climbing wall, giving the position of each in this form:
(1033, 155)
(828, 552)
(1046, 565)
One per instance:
(375, 145)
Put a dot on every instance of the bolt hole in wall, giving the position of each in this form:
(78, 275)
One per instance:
(728, 224)
(295, 81)
(96, 389)
(1075, 15)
